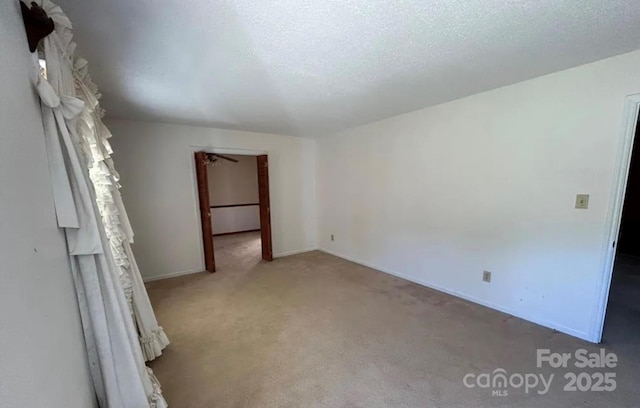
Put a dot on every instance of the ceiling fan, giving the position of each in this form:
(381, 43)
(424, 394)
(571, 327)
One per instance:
(212, 159)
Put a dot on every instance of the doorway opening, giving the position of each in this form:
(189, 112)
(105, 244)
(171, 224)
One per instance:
(233, 193)
(621, 312)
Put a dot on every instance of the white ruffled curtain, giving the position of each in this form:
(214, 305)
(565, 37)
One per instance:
(118, 229)
(119, 326)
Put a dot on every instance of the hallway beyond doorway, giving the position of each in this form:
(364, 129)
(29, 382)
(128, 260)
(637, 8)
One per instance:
(237, 251)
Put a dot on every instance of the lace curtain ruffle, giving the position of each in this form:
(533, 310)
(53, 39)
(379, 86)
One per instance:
(89, 209)
(105, 180)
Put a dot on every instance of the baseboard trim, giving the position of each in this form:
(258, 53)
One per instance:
(548, 324)
(235, 232)
(181, 273)
(146, 279)
(296, 252)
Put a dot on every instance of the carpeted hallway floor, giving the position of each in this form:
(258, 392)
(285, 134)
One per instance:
(240, 251)
(313, 330)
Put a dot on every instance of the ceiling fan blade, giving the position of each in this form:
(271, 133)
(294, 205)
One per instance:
(231, 159)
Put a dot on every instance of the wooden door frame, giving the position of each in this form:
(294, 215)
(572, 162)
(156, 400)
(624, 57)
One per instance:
(204, 208)
(192, 149)
(262, 164)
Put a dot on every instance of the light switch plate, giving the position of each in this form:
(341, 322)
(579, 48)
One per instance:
(582, 201)
(486, 276)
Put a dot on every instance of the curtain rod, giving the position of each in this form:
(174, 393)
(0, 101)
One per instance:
(37, 24)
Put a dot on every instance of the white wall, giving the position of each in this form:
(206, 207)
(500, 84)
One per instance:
(42, 355)
(487, 182)
(230, 184)
(233, 183)
(235, 219)
(157, 168)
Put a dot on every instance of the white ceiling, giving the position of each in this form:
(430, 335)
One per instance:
(309, 67)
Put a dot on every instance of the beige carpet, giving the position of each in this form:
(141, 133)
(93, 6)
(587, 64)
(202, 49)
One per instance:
(313, 330)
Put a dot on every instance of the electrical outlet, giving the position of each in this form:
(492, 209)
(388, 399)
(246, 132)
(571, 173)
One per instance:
(486, 276)
(332, 237)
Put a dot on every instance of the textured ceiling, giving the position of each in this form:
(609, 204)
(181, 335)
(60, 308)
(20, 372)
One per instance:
(309, 67)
